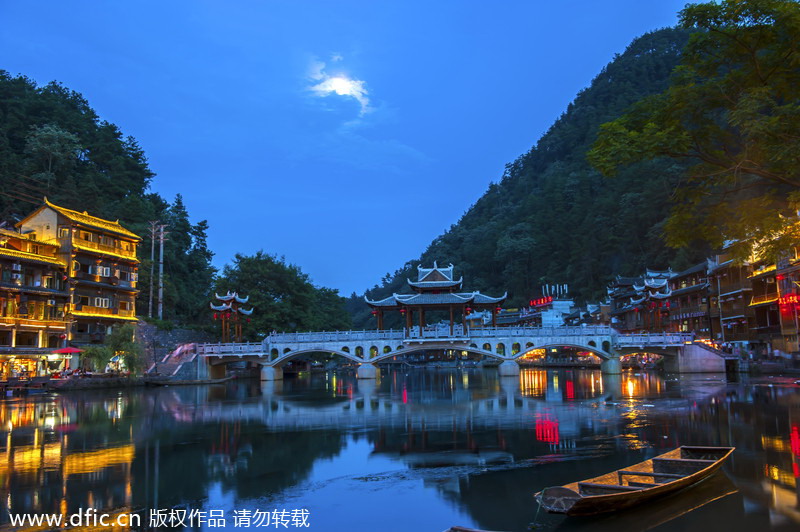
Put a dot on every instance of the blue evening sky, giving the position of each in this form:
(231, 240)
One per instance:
(343, 135)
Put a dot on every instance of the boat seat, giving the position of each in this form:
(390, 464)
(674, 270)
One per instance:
(590, 488)
(644, 485)
(680, 465)
(623, 472)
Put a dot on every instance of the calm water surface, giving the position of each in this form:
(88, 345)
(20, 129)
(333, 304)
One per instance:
(418, 450)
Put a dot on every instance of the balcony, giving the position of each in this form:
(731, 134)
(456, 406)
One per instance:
(117, 251)
(728, 288)
(107, 281)
(736, 336)
(102, 311)
(688, 311)
(764, 298)
(25, 320)
(57, 288)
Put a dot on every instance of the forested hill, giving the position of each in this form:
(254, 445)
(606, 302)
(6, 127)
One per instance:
(554, 219)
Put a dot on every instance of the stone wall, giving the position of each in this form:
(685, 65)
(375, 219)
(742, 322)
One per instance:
(694, 359)
(159, 343)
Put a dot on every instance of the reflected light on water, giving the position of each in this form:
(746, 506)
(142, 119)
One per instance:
(433, 440)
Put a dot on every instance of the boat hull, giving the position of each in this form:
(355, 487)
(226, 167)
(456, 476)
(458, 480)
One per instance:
(570, 501)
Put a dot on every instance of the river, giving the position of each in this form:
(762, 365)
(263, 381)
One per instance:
(417, 450)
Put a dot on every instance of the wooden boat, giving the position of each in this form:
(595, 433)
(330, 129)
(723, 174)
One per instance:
(168, 381)
(660, 476)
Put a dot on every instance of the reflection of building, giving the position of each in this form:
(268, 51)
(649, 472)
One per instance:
(43, 464)
(435, 290)
(33, 301)
(100, 257)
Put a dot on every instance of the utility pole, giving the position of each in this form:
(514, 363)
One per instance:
(161, 237)
(153, 234)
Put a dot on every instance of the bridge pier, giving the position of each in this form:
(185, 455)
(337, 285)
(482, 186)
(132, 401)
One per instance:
(217, 371)
(692, 358)
(508, 368)
(612, 366)
(367, 371)
(271, 373)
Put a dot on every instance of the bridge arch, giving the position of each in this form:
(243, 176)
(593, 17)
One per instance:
(286, 357)
(414, 349)
(593, 349)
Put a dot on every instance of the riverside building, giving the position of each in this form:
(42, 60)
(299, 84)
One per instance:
(102, 267)
(34, 301)
(66, 278)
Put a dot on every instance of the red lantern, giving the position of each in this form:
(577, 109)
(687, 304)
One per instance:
(402, 311)
(248, 320)
(374, 312)
(468, 310)
(498, 309)
(62, 336)
(215, 315)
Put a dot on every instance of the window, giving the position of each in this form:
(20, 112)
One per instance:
(102, 302)
(83, 300)
(125, 305)
(63, 232)
(103, 271)
(35, 249)
(76, 266)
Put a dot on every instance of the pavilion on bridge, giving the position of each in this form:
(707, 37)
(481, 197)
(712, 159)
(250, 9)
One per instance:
(435, 290)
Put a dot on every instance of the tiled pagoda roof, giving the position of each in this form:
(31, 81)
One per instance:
(84, 218)
(435, 273)
(435, 284)
(463, 298)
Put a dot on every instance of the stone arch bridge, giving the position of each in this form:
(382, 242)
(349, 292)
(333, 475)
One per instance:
(507, 344)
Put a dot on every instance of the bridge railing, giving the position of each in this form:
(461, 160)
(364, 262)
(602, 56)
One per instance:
(229, 349)
(653, 339)
(494, 332)
(333, 336)
(433, 333)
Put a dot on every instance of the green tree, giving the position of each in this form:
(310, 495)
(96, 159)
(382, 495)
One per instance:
(122, 343)
(95, 357)
(51, 150)
(282, 295)
(732, 115)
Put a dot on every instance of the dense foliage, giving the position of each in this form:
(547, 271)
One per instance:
(283, 296)
(552, 218)
(121, 343)
(53, 144)
(732, 113)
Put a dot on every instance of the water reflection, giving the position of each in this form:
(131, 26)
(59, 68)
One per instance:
(418, 449)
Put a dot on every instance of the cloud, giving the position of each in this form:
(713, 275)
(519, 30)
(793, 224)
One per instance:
(338, 84)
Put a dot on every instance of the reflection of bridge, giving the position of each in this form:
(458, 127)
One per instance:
(367, 348)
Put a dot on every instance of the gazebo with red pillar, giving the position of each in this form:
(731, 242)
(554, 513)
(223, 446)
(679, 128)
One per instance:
(435, 289)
